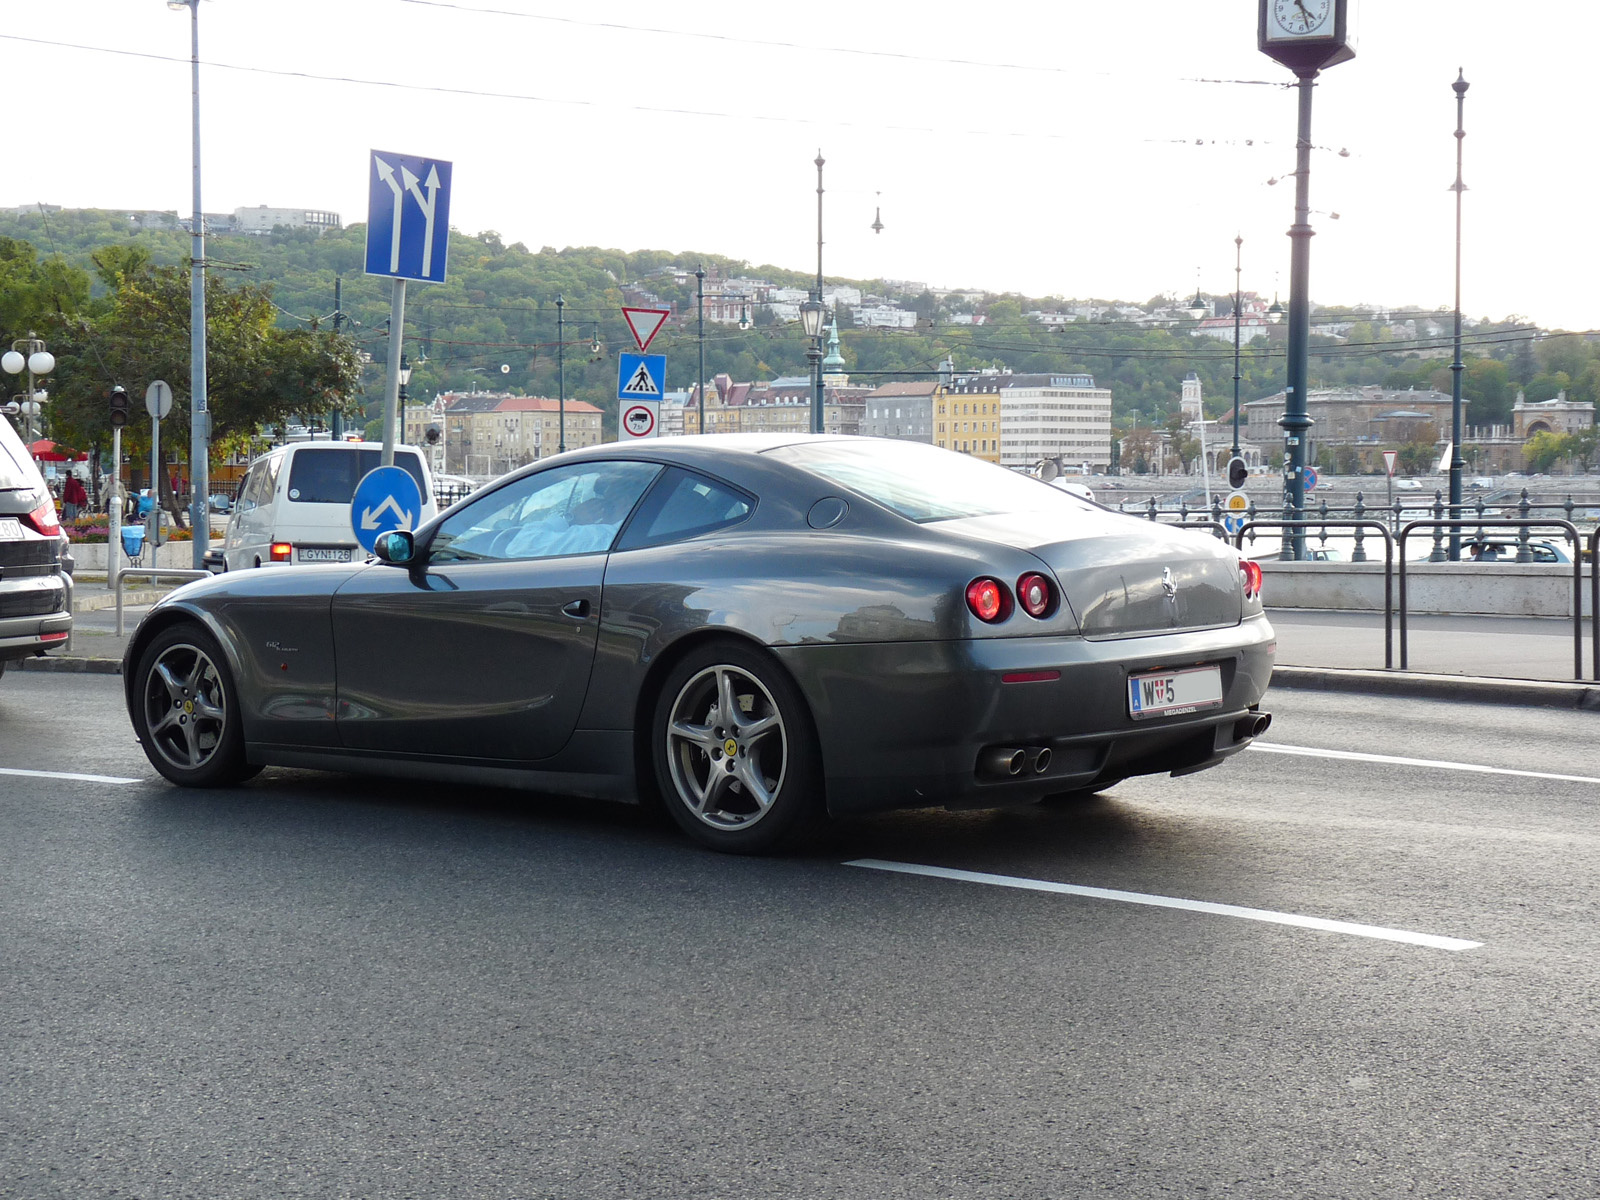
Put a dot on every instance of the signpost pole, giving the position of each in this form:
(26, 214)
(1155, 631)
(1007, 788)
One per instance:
(114, 512)
(391, 404)
(154, 534)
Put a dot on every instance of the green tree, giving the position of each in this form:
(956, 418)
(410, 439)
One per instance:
(256, 373)
(1543, 450)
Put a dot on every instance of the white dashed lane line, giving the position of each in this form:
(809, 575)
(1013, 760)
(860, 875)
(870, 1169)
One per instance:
(1435, 764)
(70, 775)
(1433, 941)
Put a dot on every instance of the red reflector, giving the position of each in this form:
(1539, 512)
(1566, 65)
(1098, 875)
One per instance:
(281, 551)
(52, 637)
(988, 600)
(1030, 676)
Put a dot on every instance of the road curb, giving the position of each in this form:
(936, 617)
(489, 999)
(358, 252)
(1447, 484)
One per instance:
(1529, 693)
(70, 665)
(94, 602)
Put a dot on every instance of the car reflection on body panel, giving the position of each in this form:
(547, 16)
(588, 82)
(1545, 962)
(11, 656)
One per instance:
(755, 631)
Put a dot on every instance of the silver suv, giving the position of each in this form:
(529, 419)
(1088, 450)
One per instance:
(35, 568)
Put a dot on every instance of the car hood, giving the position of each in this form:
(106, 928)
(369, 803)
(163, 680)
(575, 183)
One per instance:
(321, 580)
(1123, 576)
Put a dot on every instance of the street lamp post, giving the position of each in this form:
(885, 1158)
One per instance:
(199, 414)
(813, 320)
(700, 307)
(1456, 367)
(561, 375)
(1238, 299)
(28, 354)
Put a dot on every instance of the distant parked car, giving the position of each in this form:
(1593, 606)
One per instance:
(1407, 485)
(1504, 549)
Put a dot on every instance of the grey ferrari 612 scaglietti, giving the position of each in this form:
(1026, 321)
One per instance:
(755, 631)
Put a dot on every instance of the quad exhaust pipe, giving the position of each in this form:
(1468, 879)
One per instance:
(1015, 760)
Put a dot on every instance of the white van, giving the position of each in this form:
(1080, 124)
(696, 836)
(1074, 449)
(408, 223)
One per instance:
(294, 504)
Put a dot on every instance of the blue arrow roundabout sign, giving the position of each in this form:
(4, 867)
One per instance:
(387, 498)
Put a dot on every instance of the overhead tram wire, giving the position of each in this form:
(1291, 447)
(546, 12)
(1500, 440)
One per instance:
(483, 94)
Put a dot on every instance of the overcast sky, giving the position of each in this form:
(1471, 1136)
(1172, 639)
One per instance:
(1048, 148)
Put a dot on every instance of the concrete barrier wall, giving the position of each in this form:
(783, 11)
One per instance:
(1503, 589)
(91, 556)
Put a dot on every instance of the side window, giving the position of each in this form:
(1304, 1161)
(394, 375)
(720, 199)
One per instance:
(576, 509)
(250, 488)
(685, 505)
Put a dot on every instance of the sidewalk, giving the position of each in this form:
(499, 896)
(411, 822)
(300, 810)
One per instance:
(1498, 660)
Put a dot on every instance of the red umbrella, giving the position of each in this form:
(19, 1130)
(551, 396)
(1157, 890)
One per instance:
(44, 450)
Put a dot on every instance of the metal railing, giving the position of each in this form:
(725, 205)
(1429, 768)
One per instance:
(1566, 527)
(1382, 531)
(152, 573)
(1395, 512)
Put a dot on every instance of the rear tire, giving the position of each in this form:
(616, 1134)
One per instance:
(186, 710)
(735, 755)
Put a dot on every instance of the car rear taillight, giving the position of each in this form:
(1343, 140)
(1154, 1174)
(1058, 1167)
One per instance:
(43, 519)
(282, 551)
(1250, 578)
(988, 599)
(1035, 594)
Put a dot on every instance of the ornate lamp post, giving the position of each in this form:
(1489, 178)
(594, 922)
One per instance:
(561, 374)
(811, 316)
(1456, 367)
(29, 354)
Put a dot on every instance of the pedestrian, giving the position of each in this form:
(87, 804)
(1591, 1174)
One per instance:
(73, 498)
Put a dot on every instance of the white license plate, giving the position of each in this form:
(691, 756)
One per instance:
(10, 529)
(324, 554)
(1168, 693)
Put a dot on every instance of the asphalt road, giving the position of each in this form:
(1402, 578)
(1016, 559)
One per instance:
(321, 986)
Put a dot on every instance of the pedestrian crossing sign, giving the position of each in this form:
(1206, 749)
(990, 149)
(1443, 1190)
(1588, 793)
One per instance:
(641, 376)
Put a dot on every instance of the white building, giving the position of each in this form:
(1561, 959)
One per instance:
(1063, 417)
(262, 219)
(884, 316)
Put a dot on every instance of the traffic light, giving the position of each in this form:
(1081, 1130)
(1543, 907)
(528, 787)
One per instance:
(1237, 473)
(431, 435)
(119, 407)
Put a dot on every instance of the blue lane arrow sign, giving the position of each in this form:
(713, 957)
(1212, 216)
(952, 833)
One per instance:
(408, 216)
(641, 376)
(386, 498)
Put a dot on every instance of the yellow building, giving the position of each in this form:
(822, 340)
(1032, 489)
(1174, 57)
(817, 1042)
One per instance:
(966, 415)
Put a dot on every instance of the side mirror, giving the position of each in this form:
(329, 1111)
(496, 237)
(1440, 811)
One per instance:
(396, 546)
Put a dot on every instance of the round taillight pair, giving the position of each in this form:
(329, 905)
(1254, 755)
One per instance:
(989, 600)
(1250, 577)
(1033, 593)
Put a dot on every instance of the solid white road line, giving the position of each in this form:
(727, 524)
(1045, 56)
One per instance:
(67, 775)
(1204, 906)
(1436, 764)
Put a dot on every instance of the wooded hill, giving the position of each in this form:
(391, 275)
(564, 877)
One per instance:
(493, 325)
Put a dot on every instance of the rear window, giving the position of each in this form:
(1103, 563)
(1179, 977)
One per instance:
(330, 476)
(927, 483)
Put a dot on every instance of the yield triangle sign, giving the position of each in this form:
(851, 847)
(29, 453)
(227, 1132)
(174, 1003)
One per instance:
(645, 323)
(641, 384)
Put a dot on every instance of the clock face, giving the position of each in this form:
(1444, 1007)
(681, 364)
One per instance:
(1302, 18)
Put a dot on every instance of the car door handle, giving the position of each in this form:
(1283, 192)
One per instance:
(577, 608)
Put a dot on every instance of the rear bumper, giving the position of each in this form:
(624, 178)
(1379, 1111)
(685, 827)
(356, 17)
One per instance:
(907, 725)
(37, 632)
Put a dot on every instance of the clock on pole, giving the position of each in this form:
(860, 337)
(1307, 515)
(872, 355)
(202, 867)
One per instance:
(1305, 35)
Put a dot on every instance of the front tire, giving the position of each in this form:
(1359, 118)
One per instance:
(186, 710)
(735, 756)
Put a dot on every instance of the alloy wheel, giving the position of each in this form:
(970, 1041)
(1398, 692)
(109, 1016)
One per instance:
(727, 749)
(185, 706)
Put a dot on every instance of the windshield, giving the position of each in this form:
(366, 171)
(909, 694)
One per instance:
(926, 483)
(16, 468)
(330, 476)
